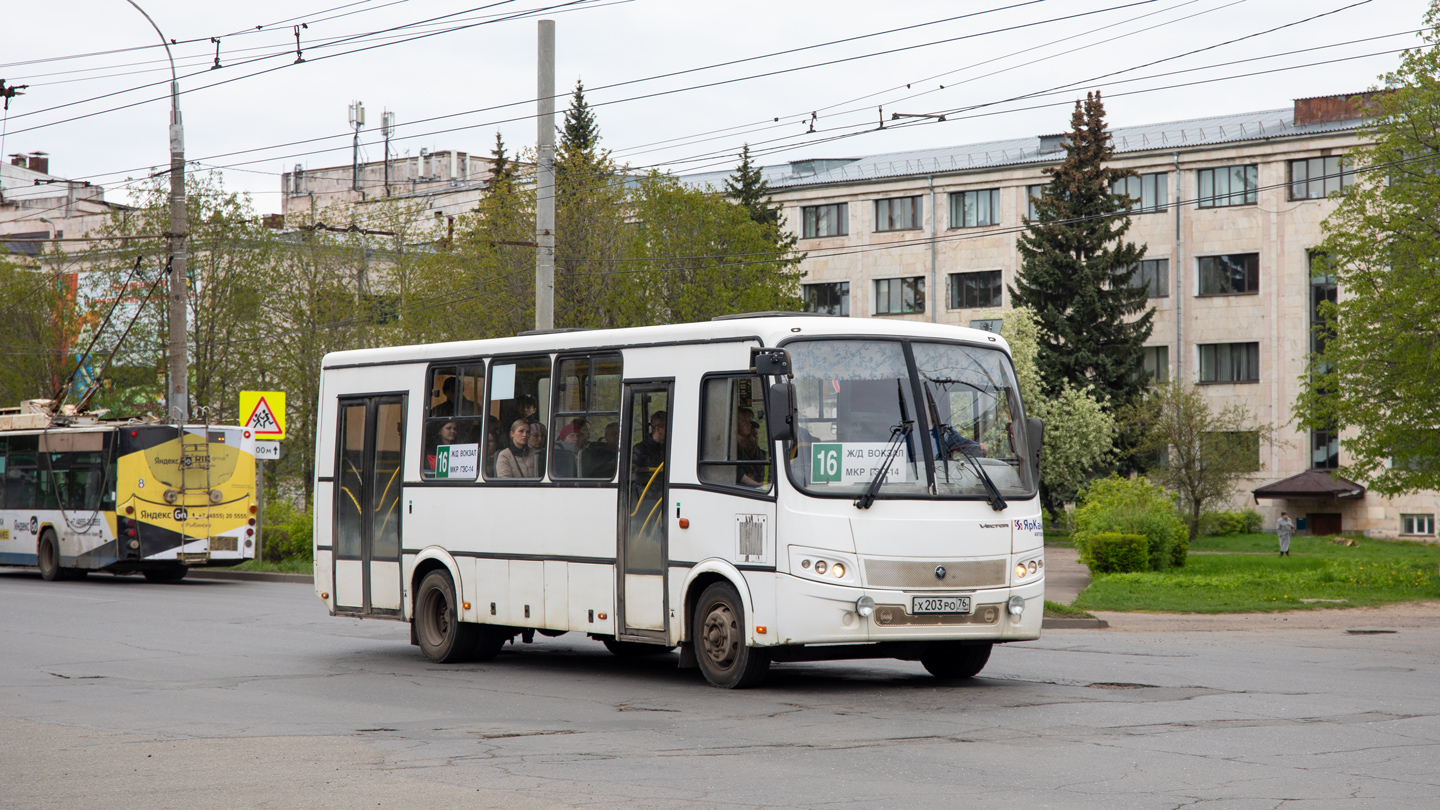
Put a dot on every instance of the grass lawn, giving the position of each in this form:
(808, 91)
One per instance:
(1247, 575)
(293, 565)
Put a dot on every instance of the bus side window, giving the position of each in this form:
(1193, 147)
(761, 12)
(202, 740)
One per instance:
(586, 422)
(453, 422)
(734, 434)
(519, 408)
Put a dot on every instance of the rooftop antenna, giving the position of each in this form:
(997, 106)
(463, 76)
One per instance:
(357, 120)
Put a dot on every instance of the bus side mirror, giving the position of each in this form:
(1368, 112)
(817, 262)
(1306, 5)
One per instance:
(1035, 433)
(781, 410)
(770, 362)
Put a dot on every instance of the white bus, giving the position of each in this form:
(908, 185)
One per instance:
(762, 488)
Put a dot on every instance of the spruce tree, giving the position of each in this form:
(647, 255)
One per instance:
(748, 188)
(502, 168)
(1077, 269)
(580, 134)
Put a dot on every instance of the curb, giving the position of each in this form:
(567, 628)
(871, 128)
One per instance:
(1073, 624)
(251, 576)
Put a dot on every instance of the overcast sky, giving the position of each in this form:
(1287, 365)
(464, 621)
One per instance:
(607, 42)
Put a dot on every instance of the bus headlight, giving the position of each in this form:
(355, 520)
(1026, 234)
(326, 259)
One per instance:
(1016, 606)
(865, 606)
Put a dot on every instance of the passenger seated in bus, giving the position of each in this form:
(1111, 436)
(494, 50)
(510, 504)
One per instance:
(525, 404)
(747, 448)
(598, 460)
(538, 447)
(444, 435)
(647, 456)
(492, 447)
(568, 450)
(516, 460)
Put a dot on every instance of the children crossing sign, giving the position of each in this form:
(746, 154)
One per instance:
(263, 412)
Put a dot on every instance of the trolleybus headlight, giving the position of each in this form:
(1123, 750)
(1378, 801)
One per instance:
(1016, 606)
(865, 606)
(171, 496)
(819, 566)
(838, 569)
(216, 496)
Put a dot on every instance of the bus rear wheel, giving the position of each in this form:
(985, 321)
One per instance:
(442, 637)
(953, 660)
(718, 633)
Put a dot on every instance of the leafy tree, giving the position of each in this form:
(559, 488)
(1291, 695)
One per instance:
(1374, 377)
(1076, 270)
(36, 305)
(1078, 430)
(1207, 453)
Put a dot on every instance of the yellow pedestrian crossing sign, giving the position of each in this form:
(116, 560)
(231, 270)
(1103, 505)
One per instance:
(263, 412)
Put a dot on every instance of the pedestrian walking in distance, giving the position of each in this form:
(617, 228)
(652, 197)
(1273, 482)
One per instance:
(1283, 529)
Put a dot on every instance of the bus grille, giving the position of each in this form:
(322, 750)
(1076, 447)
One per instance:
(920, 574)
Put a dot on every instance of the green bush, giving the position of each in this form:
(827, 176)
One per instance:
(1227, 523)
(1131, 506)
(287, 533)
(1115, 553)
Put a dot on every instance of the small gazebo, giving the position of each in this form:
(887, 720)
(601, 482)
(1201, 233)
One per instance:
(1319, 486)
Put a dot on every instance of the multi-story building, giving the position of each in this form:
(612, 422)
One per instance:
(448, 183)
(1229, 211)
(36, 206)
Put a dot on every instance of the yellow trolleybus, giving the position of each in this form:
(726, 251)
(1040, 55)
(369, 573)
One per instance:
(82, 494)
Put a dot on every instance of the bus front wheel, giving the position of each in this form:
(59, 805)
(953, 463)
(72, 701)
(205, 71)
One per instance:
(718, 633)
(953, 660)
(443, 638)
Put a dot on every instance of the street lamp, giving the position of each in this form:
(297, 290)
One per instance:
(178, 398)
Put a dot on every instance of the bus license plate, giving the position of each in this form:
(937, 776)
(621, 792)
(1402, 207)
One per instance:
(940, 604)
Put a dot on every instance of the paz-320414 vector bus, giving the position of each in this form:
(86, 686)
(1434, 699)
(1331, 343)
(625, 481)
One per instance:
(753, 489)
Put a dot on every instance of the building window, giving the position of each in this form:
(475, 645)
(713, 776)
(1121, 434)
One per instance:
(1228, 185)
(1323, 290)
(1230, 363)
(1157, 363)
(1242, 445)
(1417, 524)
(902, 214)
(830, 298)
(826, 220)
(971, 290)
(900, 296)
(1154, 276)
(988, 324)
(972, 209)
(1150, 191)
(1317, 178)
(1032, 195)
(1235, 274)
(1324, 449)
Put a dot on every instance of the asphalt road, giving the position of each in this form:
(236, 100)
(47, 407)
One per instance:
(117, 693)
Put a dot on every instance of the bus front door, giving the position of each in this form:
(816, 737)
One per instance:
(368, 475)
(644, 479)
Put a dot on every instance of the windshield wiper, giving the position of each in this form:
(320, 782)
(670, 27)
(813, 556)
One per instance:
(898, 433)
(997, 501)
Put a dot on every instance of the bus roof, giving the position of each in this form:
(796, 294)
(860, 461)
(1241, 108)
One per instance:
(768, 328)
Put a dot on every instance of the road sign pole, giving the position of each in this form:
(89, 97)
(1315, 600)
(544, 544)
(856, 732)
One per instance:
(259, 510)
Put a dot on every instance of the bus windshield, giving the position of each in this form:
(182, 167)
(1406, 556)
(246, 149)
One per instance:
(943, 416)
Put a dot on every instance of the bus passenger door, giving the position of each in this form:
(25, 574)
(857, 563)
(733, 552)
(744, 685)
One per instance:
(644, 479)
(367, 520)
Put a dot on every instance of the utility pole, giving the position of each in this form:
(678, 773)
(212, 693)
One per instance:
(387, 126)
(357, 120)
(545, 181)
(178, 400)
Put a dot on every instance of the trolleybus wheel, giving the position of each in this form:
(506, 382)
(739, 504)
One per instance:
(719, 635)
(633, 649)
(170, 574)
(954, 659)
(48, 557)
(443, 637)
